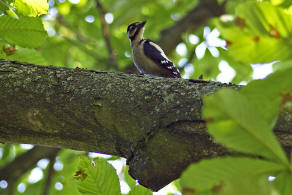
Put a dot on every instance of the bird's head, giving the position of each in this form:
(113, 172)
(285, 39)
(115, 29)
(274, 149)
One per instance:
(135, 30)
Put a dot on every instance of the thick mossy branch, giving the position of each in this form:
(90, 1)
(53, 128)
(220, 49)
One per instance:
(154, 122)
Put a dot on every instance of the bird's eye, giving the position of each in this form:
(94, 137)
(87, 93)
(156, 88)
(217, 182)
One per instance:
(132, 28)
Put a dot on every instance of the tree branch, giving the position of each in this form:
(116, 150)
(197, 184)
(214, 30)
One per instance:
(154, 122)
(48, 181)
(200, 15)
(23, 163)
(106, 35)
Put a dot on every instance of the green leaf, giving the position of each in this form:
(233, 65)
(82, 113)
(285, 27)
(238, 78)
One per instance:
(4, 6)
(235, 122)
(32, 8)
(265, 19)
(248, 185)
(70, 160)
(285, 64)
(243, 70)
(128, 179)
(177, 184)
(260, 33)
(212, 173)
(267, 94)
(26, 32)
(140, 190)
(6, 151)
(11, 13)
(34, 188)
(207, 66)
(27, 55)
(284, 183)
(98, 179)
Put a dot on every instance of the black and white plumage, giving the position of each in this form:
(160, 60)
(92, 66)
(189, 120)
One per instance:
(148, 57)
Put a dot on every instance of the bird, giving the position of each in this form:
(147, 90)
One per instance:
(148, 57)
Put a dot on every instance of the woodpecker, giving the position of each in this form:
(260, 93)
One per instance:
(148, 57)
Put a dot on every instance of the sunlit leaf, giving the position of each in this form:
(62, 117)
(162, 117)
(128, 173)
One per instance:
(26, 32)
(252, 185)
(267, 94)
(234, 121)
(32, 8)
(214, 173)
(98, 178)
(27, 55)
(140, 190)
(130, 181)
(283, 183)
(259, 33)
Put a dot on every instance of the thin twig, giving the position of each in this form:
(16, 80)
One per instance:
(106, 35)
(47, 184)
(12, 171)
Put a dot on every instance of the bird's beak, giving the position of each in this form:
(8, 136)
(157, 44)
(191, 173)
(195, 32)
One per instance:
(142, 24)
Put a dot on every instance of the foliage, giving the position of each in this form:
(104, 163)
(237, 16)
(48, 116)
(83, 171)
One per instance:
(18, 29)
(27, 32)
(31, 7)
(99, 178)
(261, 27)
(243, 121)
(69, 33)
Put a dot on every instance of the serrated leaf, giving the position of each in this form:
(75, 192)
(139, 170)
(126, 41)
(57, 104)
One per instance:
(32, 8)
(266, 19)
(248, 47)
(260, 33)
(26, 32)
(140, 190)
(212, 173)
(235, 122)
(98, 179)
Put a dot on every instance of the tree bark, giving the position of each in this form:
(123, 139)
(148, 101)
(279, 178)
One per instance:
(154, 122)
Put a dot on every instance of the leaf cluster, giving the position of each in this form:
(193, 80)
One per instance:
(243, 121)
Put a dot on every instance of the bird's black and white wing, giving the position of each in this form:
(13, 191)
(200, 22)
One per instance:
(156, 54)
